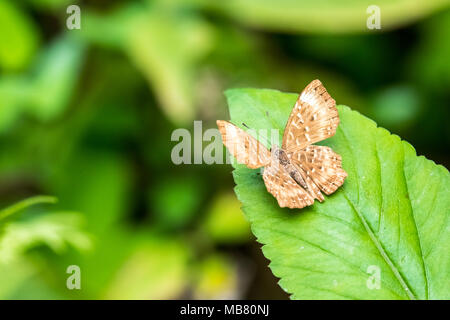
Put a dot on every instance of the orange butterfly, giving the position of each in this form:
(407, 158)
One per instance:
(295, 173)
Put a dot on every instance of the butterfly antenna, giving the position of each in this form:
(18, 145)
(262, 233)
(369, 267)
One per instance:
(259, 136)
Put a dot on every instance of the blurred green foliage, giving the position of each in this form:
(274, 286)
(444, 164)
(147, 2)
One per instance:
(19, 37)
(87, 115)
(323, 16)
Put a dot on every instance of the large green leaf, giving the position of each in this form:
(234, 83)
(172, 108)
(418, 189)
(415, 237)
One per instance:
(390, 215)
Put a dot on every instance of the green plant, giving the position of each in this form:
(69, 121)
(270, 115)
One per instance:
(56, 230)
(391, 213)
(15, 208)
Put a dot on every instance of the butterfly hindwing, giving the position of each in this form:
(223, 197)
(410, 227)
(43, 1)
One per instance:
(313, 118)
(312, 188)
(246, 149)
(287, 192)
(322, 165)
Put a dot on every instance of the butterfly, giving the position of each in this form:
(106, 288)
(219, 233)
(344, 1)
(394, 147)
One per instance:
(297, 172)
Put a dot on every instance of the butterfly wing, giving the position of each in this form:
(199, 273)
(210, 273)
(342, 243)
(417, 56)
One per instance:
(313, 190)
(287, 192)
(246, 149)
(321, 165)
(313, 118)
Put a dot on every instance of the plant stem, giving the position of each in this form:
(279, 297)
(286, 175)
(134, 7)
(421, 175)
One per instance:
(25, 204)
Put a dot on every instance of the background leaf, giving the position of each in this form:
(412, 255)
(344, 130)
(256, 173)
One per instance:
(18, 37)
(157, 269)
(325, 16)
(59, 231)
(4, 213)
(392, 213)
(224, 222)
(55, 230)
(55, 77)
(165, 45)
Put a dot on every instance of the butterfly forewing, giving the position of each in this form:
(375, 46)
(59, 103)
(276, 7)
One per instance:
(246, 149)
(313, 118)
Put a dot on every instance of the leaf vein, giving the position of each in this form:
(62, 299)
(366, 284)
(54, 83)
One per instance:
(345, 261)
(370, 232)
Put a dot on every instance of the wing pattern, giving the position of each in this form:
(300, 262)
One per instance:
(287, 192)
(322, 165)
(313, 118)
(246, 149)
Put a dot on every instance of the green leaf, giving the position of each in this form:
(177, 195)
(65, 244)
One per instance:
(18, 37)
(25, 204)
(56, 230)
(55, 78)
(391, 213)
(46, 91)
(14, 94)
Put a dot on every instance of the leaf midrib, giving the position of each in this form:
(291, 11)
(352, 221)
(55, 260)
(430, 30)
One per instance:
(369, 231)
(313, 245)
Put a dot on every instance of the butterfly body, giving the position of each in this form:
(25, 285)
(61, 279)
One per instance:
(281, 157)
(297, 172)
